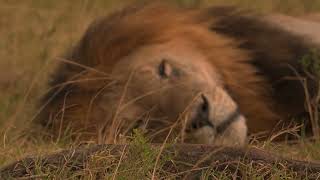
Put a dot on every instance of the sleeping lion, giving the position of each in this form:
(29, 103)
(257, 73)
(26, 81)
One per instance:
(196, 76)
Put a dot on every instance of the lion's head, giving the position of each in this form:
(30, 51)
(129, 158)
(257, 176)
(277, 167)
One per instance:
(199, 76)
(172, 86)
(156, 76)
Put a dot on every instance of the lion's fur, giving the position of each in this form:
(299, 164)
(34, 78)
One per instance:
(249, 54)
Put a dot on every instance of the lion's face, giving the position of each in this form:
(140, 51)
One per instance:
(172, 86)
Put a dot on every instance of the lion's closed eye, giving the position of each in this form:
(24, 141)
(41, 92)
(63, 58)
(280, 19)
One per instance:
(164, 69)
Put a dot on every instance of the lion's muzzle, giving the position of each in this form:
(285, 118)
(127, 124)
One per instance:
(216, 119)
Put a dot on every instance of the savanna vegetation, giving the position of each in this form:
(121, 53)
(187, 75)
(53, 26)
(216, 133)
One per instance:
(35, 32)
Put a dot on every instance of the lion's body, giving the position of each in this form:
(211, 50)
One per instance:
(244, 57)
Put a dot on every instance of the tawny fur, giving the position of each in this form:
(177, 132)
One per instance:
(250, 54)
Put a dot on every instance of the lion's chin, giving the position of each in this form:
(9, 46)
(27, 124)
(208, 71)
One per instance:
(234, 135)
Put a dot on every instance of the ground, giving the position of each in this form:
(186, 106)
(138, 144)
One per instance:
(35, 32)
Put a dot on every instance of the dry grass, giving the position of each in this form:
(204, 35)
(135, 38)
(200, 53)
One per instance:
(35, 32)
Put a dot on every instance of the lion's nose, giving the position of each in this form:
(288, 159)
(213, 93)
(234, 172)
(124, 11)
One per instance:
(202, 117)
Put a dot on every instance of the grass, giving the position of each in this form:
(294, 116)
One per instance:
(34, 32)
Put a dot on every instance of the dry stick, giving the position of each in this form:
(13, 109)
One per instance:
(169, 133)
(87, 69)
(62, 116)
(145, 95)
(120, 160)
(71, 81)
(225, 157)
(113, 130)
(121, 106)
(183, 114)
(310, 107)
(82, 66)
(317, 111)
(285, 131)
(161, 150)
(312, 110)
(92, 101)
(60, 88)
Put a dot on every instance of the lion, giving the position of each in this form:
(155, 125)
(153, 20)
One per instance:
(209, 76)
